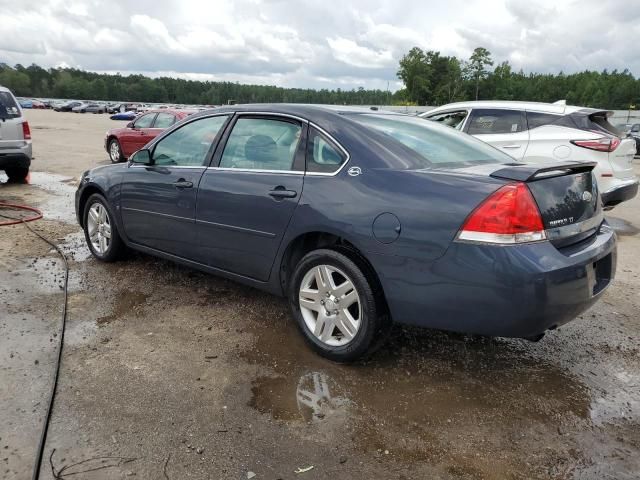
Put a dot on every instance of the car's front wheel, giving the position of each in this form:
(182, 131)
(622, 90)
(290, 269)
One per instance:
(115, 152)
(337, 305)
(101, 231)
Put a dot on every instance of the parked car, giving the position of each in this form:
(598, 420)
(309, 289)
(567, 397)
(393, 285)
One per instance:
(360, 218)
(67, 107)
(82, 108)
(120, 143)
(122, 107)
(632, 130)
(15, 138)
(542, 132)
(37, 104)
(25, 102)
(95, 108)
(128, 116)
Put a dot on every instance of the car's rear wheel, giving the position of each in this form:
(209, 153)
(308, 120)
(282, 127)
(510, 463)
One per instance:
(17, 174)
(115, 151)
(337, 306)
(101, 231)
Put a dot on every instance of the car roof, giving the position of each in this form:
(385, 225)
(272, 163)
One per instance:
(182, 111)
(557, 108)
(322, 115)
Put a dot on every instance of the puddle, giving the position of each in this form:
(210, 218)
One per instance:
(622, 227)
(59, 205)
(427, 396)
(125, 302)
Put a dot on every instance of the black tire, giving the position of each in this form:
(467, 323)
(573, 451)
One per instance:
(116, 246)
(115, 159)
(374, 319)
(17, 174)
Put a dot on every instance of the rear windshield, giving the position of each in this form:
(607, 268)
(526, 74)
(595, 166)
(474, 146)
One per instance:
(8, 106)
(438, 146)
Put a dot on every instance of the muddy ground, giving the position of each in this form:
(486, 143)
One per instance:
(170, 373)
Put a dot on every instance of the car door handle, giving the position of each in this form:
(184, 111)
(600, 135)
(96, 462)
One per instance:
(511, 146)
(280, 192)
(182, 183)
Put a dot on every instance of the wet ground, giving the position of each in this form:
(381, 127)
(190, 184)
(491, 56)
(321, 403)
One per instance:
(170, 373)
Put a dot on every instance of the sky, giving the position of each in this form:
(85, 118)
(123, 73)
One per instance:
(314, 43)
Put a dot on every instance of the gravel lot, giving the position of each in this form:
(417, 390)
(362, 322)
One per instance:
(170, 373)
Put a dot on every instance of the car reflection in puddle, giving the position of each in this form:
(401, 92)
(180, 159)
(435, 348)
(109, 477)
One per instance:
(315, 402)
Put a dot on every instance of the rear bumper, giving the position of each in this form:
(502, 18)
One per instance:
(620, 193)
(14, 160)
(510, 291)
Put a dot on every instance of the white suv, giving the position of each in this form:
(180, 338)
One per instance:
(15, 138)
(542, 132)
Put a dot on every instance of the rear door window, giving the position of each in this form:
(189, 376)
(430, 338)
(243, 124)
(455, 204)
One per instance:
(145, 121)
(495, 121)
(537, 119)
(8, 106)
(164, 120)
(450, 119)
(261, 144)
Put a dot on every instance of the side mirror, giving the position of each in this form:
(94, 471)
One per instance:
(141, 157)
(130, 125)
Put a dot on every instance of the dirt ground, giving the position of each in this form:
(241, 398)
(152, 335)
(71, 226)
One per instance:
(172, 374)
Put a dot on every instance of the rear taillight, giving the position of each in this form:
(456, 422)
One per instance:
(26, 131)
(508, 215)
(604, 144)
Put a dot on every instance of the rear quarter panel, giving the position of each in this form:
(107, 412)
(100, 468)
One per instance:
(431, 206)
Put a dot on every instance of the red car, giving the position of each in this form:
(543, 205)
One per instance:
(120, 143)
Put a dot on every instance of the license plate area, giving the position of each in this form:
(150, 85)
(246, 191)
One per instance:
(601, 274)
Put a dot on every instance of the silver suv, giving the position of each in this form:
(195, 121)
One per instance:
(15, 138)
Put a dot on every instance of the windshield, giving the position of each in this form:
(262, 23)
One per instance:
(438, 146)
(8, 107)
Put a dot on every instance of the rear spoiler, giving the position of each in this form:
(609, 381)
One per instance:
(528, 173)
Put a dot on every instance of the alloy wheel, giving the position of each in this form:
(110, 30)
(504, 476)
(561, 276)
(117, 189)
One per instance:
(99, 228)
(330, 305)
(114, 151)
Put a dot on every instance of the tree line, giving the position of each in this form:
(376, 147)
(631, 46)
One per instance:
(429, 78)
(35, 81)
(434, 79)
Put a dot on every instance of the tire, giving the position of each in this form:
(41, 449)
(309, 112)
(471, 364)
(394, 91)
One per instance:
(100, 230)
(345, 334)
(115, 151)
(17, 174)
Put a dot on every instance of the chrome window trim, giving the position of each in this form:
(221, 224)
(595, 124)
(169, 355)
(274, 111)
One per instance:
(139, 165)
(251, 170)
(276, 114)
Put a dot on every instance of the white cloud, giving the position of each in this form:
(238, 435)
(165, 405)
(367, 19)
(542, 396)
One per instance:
(311, 43)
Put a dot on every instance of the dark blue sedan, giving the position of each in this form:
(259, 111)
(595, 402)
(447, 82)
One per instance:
(360, 217)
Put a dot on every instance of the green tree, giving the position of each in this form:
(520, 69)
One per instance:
(476, 66)
(414, 72)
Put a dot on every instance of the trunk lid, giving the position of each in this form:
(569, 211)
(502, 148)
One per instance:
(567, 197)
